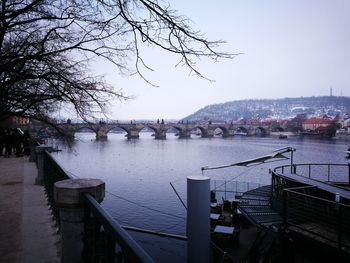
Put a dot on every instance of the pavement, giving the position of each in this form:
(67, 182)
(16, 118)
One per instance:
(27, 230)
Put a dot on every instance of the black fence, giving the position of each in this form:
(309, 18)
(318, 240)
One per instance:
(309, 210)
(338, 173)
(104, 239)
(318, 217)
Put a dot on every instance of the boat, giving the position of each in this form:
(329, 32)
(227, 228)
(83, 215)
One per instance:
(302, 216)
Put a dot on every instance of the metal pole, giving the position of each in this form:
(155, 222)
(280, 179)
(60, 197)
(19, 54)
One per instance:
(291, 162)
(198, 219)
(347, 156)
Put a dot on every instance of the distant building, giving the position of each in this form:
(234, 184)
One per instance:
(14, 121)
(315, 124)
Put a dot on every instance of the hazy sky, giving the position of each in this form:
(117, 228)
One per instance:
(291, 49)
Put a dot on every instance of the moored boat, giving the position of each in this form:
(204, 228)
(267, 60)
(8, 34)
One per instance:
(301, 217)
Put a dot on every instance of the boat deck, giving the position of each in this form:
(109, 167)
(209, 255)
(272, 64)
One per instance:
(256, 206)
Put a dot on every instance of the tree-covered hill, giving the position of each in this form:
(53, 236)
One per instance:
(272, 108)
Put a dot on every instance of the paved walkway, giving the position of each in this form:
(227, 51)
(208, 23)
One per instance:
(27, 232)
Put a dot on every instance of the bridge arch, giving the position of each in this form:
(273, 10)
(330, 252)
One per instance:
(241, 130)
(260, 131)
(81, 129)
(277, 129)
(198, 131)
(221, 131)
(44, 132)
(149, 130)
(116, 128)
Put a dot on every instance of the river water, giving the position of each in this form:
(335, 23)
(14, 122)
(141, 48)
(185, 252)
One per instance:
(138, 172)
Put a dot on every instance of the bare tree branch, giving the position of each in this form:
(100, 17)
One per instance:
(46, 49)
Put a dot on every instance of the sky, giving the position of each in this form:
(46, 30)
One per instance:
(291, 48)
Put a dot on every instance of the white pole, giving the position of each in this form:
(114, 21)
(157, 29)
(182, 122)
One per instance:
(198, 219)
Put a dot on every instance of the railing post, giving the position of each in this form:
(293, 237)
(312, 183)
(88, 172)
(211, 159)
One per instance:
(40, 151)
(329, 172)
(68, 197)
(339, 219)
(285, 209)
(225, 191)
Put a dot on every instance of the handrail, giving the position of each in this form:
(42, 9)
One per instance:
(324, 172)
(56, 165)
(134, 253)
(318, 216)
(316, 198)
(306, 199)
(101, 231)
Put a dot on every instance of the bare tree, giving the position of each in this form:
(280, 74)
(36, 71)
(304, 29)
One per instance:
(46, 48)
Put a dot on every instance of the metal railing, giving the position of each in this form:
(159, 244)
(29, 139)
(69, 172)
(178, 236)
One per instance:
(321, 172)
(319, 217)
(227, 189)
(310, 210)
(104, 239)
(52, 174)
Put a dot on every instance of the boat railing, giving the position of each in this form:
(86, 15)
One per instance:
(322, 172)
(318, 218)
(104, 239)
(228, 189)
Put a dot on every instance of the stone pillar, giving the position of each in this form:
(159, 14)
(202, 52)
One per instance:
(185, 134)
(68, 197)
(231, 132)
(40, 151)
(101, 135)
(209, 133)
(160, 135)
(133, 134)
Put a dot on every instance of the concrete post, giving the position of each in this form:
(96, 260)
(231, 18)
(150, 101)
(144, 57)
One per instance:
(39, 151)
(68, 197)
(198, 219)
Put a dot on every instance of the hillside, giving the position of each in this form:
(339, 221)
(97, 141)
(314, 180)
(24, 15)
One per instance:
(272, 108)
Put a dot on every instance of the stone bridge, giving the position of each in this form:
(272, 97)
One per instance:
(184, 130)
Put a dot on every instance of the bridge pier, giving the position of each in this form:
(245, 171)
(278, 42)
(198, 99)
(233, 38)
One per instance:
(133, 134)
(101, 135)
(160, 135)
(184, 134)
(230, 132)
(208, 133)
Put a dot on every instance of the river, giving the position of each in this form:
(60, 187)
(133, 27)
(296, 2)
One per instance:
(138, 172)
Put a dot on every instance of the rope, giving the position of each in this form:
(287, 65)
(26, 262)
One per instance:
(146, 207)
(137, 204)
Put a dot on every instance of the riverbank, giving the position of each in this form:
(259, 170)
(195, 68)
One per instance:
(27, 232)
